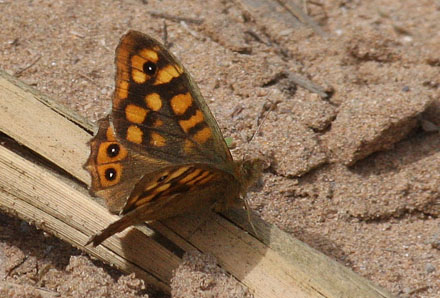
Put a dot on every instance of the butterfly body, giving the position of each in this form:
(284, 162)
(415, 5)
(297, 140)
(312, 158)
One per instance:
(160, 152)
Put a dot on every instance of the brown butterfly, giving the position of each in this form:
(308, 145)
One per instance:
(160, 152)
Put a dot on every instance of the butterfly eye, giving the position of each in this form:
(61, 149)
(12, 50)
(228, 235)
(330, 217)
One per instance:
(149, 68)
(113, 150)
(110, 174)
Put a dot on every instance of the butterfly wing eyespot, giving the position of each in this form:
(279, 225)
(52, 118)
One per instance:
(113, 150)
(142, 63)
(149, 68)
(110, 174)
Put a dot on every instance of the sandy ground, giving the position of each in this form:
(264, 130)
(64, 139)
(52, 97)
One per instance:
(355, 176)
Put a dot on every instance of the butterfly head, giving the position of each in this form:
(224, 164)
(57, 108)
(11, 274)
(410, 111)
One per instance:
(249, 173)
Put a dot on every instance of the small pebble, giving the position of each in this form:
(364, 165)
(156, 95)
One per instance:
(429, 268)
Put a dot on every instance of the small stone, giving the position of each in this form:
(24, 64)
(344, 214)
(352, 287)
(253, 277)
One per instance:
(435, 242)
(429, 268)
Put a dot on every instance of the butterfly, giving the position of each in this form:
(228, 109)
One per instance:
(160, 153)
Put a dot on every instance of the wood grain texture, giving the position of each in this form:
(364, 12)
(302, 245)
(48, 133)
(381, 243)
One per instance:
(272, 265)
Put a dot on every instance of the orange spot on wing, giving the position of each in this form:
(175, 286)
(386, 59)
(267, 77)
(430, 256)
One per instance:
(110, 135)
(191, 122)
(140, 201)
(135, 114)
(134, 134)
(157, 140)
(206, 180)
(166, 74)
(198, 178)
(158, 123)
(162, 188)
(138, 76)
(177, 173)
(190, 176)
(123, 54)
(122, 90)
(150, 186)
(153, 101)
(123, 73)
(149, 54)
(123, 64)
(180, 103)
(203, 135)
(188, 147)
(155, 191)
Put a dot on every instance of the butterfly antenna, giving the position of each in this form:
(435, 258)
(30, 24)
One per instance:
(248, 211)
(165, 35)
(262, 118)
(260, 121)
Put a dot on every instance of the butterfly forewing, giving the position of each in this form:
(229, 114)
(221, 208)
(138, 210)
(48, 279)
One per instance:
(158, 109)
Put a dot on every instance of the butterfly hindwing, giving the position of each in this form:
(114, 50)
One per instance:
(172, 191)
(157, 108)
